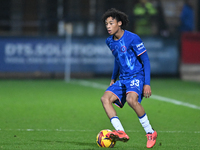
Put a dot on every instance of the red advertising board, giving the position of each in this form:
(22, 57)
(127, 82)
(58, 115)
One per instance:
(190, 48)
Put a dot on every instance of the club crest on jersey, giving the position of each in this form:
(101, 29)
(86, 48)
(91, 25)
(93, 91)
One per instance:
(140, 46)
(123, 49)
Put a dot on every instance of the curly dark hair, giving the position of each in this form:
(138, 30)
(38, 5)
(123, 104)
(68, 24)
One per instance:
(116, 14)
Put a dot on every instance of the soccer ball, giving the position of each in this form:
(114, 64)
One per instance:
(103, 141)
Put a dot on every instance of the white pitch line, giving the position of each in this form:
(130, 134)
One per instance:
(156, 97)
(71, 130)
(173, 101)
(48, 130)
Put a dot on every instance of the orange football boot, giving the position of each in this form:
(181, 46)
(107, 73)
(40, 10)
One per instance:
(118, 136)
(151, 139)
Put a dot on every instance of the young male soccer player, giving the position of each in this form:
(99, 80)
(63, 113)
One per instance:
(133, 67)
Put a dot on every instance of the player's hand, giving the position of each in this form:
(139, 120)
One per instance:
(147, 91)
(112, 82)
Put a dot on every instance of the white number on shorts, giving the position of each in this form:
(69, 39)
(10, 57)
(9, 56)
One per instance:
(135, 82)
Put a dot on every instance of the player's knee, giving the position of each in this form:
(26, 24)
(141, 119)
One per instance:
(104, 100)
(132, 102)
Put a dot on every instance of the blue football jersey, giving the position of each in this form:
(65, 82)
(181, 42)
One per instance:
(126, 51)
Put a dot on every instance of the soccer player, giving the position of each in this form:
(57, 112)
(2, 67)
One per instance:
(132, 66)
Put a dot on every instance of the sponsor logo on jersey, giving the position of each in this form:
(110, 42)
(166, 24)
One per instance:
(140, 46)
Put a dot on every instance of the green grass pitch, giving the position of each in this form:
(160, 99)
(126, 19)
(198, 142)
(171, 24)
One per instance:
(55, 115)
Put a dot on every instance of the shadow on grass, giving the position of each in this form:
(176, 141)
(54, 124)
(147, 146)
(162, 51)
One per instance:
(92, 146)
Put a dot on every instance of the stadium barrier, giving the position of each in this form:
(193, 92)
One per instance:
(190, 56)
(46, 57)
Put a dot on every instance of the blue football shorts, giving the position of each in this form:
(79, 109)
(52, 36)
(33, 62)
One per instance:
(121, 87)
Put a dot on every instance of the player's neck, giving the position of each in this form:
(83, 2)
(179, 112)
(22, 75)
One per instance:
(118, 34)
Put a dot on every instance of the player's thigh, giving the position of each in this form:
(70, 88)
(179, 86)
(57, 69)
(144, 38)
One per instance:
(108, 97)
(135, 88)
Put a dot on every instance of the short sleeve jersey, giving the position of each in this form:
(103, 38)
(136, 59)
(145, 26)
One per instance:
(126, 51)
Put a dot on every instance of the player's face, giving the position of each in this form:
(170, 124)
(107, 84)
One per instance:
(112, 25)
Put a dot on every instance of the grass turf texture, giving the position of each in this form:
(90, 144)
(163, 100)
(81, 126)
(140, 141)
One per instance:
(52, 114)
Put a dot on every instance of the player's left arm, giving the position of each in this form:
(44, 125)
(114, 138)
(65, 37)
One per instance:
(139, 48)
(145, 60)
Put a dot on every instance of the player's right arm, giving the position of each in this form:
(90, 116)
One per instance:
(115, 73)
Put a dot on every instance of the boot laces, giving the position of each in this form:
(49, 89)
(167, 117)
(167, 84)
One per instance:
(149, 137)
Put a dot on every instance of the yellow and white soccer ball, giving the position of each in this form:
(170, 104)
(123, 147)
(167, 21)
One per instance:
(103, 141)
